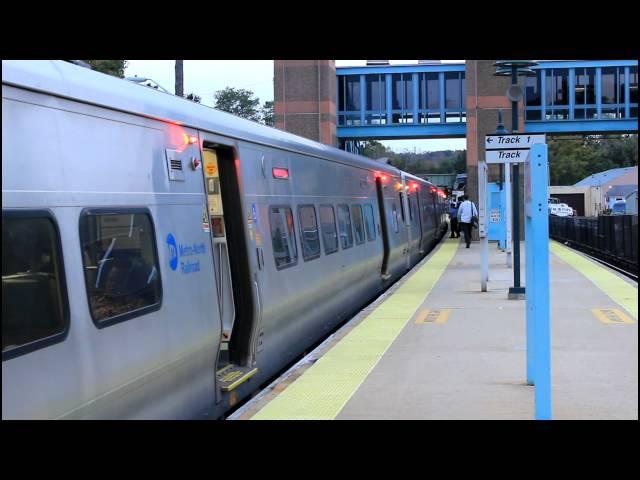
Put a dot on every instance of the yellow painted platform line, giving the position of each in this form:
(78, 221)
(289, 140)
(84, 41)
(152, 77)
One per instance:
(611, 315)
(323, 390)
(433, 316)
(620, 291)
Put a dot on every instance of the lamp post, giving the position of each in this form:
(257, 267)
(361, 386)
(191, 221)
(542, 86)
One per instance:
(515, 68)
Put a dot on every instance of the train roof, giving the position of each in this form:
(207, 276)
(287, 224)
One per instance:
(64, 79)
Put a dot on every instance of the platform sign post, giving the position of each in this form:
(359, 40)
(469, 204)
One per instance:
(483, 226)
(538, 313)
(507, 188)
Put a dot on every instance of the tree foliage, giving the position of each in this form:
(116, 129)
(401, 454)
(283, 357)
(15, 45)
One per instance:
(110, 67)
(238, 102)
(268, 113)
(572, 160)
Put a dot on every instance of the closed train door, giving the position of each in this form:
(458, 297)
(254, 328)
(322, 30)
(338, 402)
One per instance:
(234, 286)
(404, 204)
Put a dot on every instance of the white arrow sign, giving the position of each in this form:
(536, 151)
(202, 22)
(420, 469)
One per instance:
(506, 156)
(496, 142)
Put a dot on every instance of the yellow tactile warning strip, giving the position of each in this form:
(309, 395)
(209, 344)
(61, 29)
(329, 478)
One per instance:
(433, 316)
(323, 390)
(611, 315)
(620, 291)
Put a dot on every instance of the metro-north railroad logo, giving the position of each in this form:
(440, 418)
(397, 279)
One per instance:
(173, 252)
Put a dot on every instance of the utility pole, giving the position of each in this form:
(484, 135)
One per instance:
(179, 78)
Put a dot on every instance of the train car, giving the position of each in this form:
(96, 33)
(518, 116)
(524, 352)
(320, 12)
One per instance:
(163, 259)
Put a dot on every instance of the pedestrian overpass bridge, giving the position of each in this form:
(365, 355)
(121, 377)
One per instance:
(428, 101)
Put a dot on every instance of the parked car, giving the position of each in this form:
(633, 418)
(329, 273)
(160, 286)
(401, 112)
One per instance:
(559, 209)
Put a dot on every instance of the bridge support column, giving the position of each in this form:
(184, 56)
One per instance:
(305, 98)
(486, 94)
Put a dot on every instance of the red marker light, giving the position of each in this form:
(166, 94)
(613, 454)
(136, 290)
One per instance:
(280, 173)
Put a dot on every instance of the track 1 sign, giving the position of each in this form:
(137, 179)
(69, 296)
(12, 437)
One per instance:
(514, 141)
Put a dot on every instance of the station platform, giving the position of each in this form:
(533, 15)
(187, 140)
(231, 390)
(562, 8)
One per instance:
(435, 347)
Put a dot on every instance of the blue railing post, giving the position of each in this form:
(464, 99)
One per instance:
(388, 84)
(414, 86)
(363, 100)
(627, 98)
(572, 93)
(442, 97)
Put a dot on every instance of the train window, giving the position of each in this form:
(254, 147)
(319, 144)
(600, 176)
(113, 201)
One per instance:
(34, 295)
(344, 226)
(369, 222)
(328, 225)
(402, 207)
(283, 237)
(309, 232)
(120, 261)
(358, 223)
(394, 217)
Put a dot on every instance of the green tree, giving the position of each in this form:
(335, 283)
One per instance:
(374, 149)
(110, 67)
(238, 102)
(460, 163)
(571, 160)
(267, 113)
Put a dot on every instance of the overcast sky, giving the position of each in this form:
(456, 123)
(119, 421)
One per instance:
(205, 77)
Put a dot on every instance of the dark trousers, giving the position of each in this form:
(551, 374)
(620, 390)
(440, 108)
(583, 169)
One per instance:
(455, 229)
(466, 229)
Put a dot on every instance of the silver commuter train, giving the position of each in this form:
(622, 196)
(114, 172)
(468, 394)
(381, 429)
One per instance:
(162, 259)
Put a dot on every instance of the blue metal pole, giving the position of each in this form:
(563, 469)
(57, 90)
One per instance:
(388, 89)
(442, 97)
(363, 99)
(538, 300)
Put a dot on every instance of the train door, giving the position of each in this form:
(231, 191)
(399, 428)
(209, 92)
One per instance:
(404, 204)
(384, 271)
(234, 289)
(418, 214)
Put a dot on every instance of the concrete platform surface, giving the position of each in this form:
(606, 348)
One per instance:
(459, 353)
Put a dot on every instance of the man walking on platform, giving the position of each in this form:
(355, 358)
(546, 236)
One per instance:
(467, 216)
(453, 220)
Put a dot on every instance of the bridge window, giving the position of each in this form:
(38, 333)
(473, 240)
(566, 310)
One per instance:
(633, 91)
(121, 264)
(402, 98)
(454, 96)
(349, 99)
(34, 300)
(344, 227)
(585, 94)
(533, 100)
(429, 93)
(376, 113)
(283, 237)
(612, 92)
(328, 225)
(557, 94)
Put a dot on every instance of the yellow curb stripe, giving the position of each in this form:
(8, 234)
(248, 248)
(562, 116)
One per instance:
(617, 289)
(611, 315)
(324, 389)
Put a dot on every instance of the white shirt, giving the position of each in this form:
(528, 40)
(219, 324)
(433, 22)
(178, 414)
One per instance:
(466, 211)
